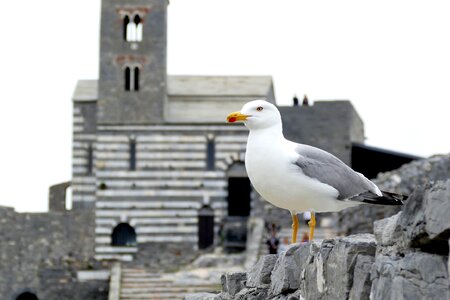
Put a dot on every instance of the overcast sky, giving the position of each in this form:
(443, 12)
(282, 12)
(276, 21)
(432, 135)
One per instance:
(390, 58)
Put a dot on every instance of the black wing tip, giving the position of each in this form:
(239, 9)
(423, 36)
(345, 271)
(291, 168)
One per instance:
(387, 198)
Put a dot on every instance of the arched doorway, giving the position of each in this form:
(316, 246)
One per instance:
(123, 235)
(239, 190)
(27, 296)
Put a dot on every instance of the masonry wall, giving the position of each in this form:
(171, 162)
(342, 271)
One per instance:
(41, 250)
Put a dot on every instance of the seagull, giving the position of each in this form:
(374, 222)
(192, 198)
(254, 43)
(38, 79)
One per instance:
(300, 177)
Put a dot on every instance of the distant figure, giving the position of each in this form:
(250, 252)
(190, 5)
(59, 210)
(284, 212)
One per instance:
(273, 243)
(295, 100)
(307, 217)
(305, 237)
(305, 101)
(284, 245)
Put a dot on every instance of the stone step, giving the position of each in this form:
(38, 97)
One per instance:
(169, 288)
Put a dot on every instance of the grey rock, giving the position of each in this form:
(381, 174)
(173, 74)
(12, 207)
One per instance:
(202, 296)
(330, 269)
(389, 236)
(425, 218)
(403, 181)
(232, 283)
(418, 275)
(361, 278)
(260, 273)
(255, 293)
(286, 273)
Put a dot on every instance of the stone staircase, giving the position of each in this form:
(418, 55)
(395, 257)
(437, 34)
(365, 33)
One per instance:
(141, 284)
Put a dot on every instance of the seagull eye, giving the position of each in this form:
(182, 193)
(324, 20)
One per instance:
(259, 108)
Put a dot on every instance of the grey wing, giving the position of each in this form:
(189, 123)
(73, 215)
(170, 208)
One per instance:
(329, 169)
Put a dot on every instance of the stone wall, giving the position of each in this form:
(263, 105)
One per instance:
(407, 258)
(42, 251)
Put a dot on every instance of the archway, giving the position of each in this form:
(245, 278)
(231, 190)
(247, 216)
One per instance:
(123, 235)
(27, 296)
(239, 190)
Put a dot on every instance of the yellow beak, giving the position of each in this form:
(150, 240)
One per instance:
(236, 116)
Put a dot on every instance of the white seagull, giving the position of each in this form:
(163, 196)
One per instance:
(299, 177)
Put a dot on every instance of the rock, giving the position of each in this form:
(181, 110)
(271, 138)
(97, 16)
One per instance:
(361, 278)
(232, 283)
(418, 275)
(330, 269)
(425, 218)
(260, 273)
(256, 293)
(389, 236)
(403, 181)
(286, 272)
(202, 296)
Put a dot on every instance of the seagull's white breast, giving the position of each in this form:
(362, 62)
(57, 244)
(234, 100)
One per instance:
(270, 163)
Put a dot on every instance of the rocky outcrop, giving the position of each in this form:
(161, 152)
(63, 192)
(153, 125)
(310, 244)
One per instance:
(406, 258)
(404, 181)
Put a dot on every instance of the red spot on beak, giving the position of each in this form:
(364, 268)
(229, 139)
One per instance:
(232, 120)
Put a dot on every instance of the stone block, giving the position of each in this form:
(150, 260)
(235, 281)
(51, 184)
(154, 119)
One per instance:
(202, 296)
(361, 278)
(232, 283)
(260, 273)
(254, 293)
(418, 275)
(425, 218)
(286, 272)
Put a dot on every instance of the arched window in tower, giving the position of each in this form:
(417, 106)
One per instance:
(126, 21)
(138, 22)
(127, 78)
(136, 78)
(131, 32)
(123, 235)
(132, 154)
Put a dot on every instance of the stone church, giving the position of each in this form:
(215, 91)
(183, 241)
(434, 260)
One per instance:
(149, 151)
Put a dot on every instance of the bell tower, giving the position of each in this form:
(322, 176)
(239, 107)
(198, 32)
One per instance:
(132, 79)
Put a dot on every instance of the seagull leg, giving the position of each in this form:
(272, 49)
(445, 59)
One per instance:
(312, 225)
(294, 227)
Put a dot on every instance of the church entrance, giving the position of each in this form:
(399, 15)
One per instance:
(238, 191)
(123, 235)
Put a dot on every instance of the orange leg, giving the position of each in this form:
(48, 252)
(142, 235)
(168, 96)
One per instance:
(312, 225)
(294, 227)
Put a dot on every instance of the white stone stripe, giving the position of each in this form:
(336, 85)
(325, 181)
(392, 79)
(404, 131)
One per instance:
(79, 152)
(112, 147)
(162, 221)
(190, 128)
(161, 193)
(235, 147)
(79, 161)
(170, 155)
(77, 129)
(168, 230)
(83, 180)
(166, 183)
(159, 174)
(115, 249)
(112, 155)
(79, 170)
(76, 110)
(84, 188)
(83, 198)
(171, 147)
(113, 138)
(78, 119)
(157, 204)
(170, 138)
(231, 138)
(124, 257)
(147, 213)
(169, 164)
(110, 222)
(85, 136)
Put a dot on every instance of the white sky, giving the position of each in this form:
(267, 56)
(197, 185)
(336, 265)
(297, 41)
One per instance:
(390, 58)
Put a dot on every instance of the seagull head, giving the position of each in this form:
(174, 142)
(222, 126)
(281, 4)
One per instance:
(257, 114)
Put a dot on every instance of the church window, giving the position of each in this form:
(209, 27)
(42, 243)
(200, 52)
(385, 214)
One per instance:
(132, 78)
(27, 296)
(126, 21)
(90, 159)
(132, 29)
(210, 154)
(132, 155)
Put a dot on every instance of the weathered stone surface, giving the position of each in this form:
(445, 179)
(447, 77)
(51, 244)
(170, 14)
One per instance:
(425, 218)
(260, 273)
(390, 238)
(416, 276)
(361, 278)
(232, 283)
(286, 273)
(202, 296)
(403, 181)
(255, 293)
(330, 268)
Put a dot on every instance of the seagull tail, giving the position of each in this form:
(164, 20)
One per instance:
(387, 198)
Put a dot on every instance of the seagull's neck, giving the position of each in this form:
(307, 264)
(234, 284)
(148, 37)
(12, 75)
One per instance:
(273, 133)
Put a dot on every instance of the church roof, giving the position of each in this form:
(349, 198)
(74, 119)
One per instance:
(182, 85)
(86, 90)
